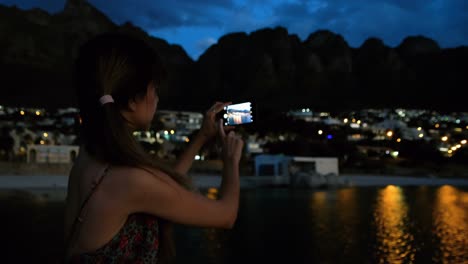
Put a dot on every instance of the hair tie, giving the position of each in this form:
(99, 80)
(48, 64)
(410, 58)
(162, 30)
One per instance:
(107, 98)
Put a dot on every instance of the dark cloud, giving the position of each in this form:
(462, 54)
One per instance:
(52, 6)
(161, 14)
(390, 20)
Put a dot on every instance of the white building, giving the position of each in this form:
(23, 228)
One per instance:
(19, 137)
(51, 153)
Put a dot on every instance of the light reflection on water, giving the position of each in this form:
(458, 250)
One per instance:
(451, 225)
(394, 240)
(347, 207)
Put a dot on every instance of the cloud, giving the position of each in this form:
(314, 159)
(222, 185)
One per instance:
(203, 44)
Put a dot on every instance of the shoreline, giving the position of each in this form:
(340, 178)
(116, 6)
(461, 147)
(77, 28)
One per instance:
(54, 187)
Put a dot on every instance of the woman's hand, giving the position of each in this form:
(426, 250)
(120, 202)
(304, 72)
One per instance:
(209, 127)
(232, 145)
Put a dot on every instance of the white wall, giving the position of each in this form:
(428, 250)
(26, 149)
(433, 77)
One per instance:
(322, 165)
(51, 153)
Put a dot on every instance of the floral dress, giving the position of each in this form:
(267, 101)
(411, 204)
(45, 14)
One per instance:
(136, 242)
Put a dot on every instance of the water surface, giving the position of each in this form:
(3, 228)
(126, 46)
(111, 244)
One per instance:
(350, 225)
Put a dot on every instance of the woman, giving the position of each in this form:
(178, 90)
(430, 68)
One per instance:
(120, 200)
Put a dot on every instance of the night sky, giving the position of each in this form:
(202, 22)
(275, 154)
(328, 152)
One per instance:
(196, 24)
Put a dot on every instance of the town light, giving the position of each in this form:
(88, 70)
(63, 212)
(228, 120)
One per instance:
(212, 193)
(359, 122)
(389, 133)
(421, 135)
(398, 140)
(444, 138)
(320, 132)
(38, 113)
(45, 134)
(450, 151)
(42, 142)
(458, 146)
(172, 132)
(21, 112)
(453, 148)
(463, 142)
(419, 128)
(345, 120)
(437, 125)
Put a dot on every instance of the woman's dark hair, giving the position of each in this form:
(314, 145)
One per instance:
(121, 65)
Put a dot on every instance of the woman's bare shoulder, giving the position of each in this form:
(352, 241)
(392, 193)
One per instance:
(127, 173)
(125, 177)
(130, 183)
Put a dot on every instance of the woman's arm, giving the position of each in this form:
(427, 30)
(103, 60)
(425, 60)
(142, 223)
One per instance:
(158, 194)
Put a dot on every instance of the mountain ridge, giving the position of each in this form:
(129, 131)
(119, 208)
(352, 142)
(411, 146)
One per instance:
(269, 66)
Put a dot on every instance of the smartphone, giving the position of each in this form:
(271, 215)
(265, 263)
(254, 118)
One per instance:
(237, 114)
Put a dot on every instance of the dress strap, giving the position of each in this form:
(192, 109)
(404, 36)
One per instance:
(93, 188)
(79, 218)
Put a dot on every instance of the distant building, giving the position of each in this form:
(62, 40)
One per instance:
(184, 120)
(51, 153)
(279, 165)
(389, 124)
(298, 171)
(304, 114)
